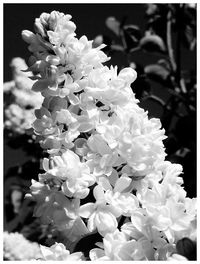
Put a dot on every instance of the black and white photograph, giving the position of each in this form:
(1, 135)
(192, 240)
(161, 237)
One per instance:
(99, 131)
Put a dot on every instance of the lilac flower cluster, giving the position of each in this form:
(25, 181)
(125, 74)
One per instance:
(101, 143)
(19, 114)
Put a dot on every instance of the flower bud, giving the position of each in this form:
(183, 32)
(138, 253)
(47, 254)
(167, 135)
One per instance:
(44, 18)
(128, 74)
(52, 59)
(28, 36)
(53, 18)
(39, 28)
(51, 72)
(32, 59)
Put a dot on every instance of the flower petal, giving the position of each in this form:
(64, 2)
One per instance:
(122, 183)
(91, 225)
(96, 253)
(99, 193)
(40, 85)
(86, 210)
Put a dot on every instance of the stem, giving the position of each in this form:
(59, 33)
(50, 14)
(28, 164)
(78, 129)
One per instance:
(135, 49)
(180, 81)
(169, 41)
(183, 86)
(121, 33)
(178, 44)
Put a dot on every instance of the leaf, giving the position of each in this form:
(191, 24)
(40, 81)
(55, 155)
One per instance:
(186, 24)
(97, 41)
(113, 24)
(152, 9)
(117, 47)
(133, 30)
(157, 72)
(186, 247)
(152, 43)
(141, 87)
(87, 243)
(190, 37)
(40, 85)
(132, 36)
(165, 63)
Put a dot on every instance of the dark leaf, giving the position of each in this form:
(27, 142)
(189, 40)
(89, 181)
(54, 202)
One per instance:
(157, 72)
(113, 24)
(132, 36)
(157, 18)
(133, 30)
(141, 87)
(87, 243)
(186, 25)
(190, 37)
(189, 14)
(116, 47)
(152, 43)
(186, 247)
(165, 64)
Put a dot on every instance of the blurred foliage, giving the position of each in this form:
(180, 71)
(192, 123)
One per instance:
(169, 29)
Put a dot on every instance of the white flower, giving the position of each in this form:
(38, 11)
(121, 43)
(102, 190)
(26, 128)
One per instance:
(177, 257)
(100, 158)
(101, 216)
(116, 247)
(137, 139)
(107, 87)
(20, 113)
(18, 119)
(16, 247)
(95, 133)
(141, 144)
(122, 201)
(58, 252)
(164, 252)
(67, 220)
(52, 206)
(141, 229)
(166, 212)
(45, 124)
(111, 243)
(65, 117)
(75, 174)
(60, 27)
